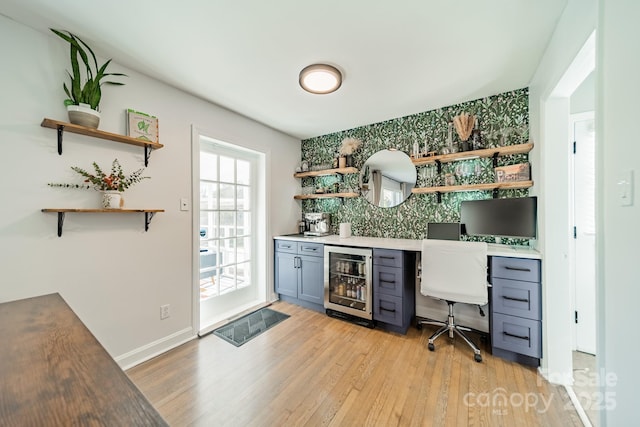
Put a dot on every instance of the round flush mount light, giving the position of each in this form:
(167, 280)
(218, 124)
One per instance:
(320, 78)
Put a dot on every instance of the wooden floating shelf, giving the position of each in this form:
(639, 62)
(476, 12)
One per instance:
(324, 172)
(82, 130)
(101, 210)
(324, 196)
(473, 187)
(61, 127)
(466, 155)
(148, 214)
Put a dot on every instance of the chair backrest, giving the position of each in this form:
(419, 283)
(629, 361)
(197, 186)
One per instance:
(455, 271)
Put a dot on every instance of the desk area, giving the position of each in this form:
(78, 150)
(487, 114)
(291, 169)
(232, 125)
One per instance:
(522, 312)
(55, 373)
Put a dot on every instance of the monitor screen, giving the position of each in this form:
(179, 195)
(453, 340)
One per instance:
(515, 217)
(443, 230)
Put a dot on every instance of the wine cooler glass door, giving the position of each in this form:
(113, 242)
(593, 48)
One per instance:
(348, 280)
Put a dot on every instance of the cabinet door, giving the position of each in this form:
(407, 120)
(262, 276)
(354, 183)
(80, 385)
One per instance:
(311, 284)
(286, 274)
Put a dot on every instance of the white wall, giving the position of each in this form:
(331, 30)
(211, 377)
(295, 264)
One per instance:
(618, 90)
(113, 274)
(584, 98)
(550, 174)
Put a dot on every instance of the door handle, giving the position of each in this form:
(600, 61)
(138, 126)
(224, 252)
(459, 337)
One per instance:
(515, 299)
(387, 309)
(516, 336)
(517, 268)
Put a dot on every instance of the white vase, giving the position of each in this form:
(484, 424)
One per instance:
(83, 115)
(112, 200)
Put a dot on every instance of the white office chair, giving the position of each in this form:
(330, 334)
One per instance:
(454, 271)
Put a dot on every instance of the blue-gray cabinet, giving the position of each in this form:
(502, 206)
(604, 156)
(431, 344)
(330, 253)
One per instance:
(516, 314)
(393, 289)
(299, 269)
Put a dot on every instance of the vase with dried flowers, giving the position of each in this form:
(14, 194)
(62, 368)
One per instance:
(112, 185)
(347, 147)
(464, 123)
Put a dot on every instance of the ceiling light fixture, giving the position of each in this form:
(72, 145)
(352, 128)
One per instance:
(320, 78)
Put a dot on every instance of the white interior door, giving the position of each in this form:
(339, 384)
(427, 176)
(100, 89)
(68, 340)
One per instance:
(585, 231)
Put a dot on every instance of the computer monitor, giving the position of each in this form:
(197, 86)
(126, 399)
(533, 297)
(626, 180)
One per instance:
(513, 217)
(443, 230)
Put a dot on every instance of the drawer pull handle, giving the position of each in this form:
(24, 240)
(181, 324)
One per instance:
(388, 281)
(285, 246)
(389, 310)
(517, 268)
(386, 257)
(515, 299)
(304, 248)
(516, 336)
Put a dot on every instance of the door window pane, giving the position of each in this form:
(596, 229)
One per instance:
(243, 203)
(244, 172)
(208, 166)
(227, 196)
(227, 169)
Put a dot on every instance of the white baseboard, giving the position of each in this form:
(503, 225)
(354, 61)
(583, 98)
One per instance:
(153, 349)
(576, 404)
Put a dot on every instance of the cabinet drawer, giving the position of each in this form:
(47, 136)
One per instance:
(516, 268)
(305, 248)
(516, 298)
(387, 280)
(516, 334)
(388, 257)
(388, 309)
(288, 246)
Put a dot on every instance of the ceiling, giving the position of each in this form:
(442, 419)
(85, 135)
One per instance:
(398, 57)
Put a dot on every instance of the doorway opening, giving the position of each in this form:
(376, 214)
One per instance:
(230, 257)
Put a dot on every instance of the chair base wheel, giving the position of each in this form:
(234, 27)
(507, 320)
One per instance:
(419, 326)
(431, 347)
(477, 358)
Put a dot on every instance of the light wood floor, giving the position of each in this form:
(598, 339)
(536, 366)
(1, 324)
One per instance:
(315, 370)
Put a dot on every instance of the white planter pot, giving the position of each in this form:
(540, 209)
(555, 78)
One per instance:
(112, 200)
(83, 115)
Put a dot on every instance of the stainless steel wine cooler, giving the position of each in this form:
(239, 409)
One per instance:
(347, 283)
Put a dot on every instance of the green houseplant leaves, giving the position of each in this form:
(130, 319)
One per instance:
(85, 89)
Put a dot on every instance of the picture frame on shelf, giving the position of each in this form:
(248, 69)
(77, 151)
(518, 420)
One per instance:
(142, 126)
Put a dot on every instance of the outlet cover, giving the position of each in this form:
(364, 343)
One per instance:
(164, 311)
(184, 204)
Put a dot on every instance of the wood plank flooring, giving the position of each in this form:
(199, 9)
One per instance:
(313, 370)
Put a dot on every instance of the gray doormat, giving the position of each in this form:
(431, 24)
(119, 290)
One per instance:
(249, 326)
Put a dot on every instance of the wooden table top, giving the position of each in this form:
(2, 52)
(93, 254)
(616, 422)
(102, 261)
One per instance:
(53, 372)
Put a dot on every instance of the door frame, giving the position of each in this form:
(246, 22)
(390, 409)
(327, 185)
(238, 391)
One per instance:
(262, 242)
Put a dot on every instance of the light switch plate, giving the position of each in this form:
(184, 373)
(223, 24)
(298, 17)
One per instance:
(184, 204)
(625, 188)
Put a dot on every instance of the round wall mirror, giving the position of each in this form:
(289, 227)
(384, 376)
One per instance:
(387, 178)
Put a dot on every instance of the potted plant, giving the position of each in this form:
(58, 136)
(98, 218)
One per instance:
(112, 185)
(84, 92)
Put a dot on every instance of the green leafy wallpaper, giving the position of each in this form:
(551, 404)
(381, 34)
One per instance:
(503, 120)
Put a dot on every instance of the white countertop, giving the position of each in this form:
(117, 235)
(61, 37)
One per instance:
(408, 245)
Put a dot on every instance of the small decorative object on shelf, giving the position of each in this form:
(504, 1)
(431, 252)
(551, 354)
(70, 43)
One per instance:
(464, 123)
(85, 92)
(347, 148)
(519, 172)
(142, 126)
(112, 185)
(476, 137)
